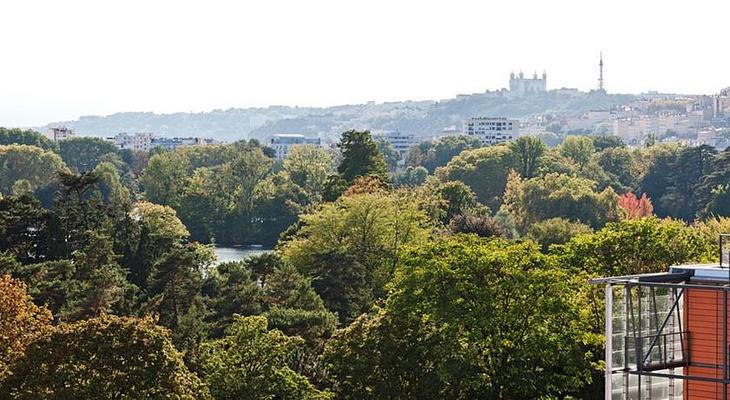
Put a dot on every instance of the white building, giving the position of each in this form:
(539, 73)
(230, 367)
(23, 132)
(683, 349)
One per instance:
(521, 86)
(140, 141)
(60, 133)
(492, 130)
(282, 143)
(401, 142)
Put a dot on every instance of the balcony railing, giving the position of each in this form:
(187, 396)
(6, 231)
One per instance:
(656, 352)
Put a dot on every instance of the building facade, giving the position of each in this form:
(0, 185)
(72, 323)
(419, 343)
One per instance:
(283, 142)
(140, 141)
(521, 86)
(492, 130)
(60, 133)
(401, 142)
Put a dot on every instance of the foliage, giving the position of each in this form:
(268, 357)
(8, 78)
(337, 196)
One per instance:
(555, 231)
(467, 318)
(107, 357)
(20, 321)
(83, 154)
(578, 148)
(29, 137)
(412, 176)
(484, 170)
(554, 195)
(250, 362)
(527, 151)
(635, 246)
(360, 157)
(29, 163)
(351, 246)
(432, 155)
(309, 166)
(481, 225)
(635, 208)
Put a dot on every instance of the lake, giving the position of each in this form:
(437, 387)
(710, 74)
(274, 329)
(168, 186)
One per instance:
(238, 253)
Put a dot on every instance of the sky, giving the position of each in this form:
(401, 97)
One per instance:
(63, 59)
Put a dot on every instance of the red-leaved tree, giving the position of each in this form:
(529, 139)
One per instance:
(635, 208)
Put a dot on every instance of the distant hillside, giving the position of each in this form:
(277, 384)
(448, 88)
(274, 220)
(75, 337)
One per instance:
(418, 117)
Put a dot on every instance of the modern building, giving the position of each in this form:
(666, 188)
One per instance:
(282, 143)
(520, 86)
(667, 334)
(401, 142)
(492, 130)
(140, 141)
(60, 133)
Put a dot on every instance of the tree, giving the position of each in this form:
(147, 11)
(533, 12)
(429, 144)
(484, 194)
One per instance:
(635, 208)
(555, 231)
(656, 177)
(20, 321)
(440, 152)
(350, 247)
(360, 157)
(107, 357)
(527, 151)
(468, 318)
(481, 225)
(23, 228)
(389, 155)
(578, 148)
(164, 178)
(412, 176)
(604, 142)
(250, 363)
(555, 195)
(29, 137)
(686, 174)
(175, 282)
(101, 281)
(621, 167)
(635, 247)
(83, 154)
(32, 164)
(484, 170)
(459, 199)
(309, 166)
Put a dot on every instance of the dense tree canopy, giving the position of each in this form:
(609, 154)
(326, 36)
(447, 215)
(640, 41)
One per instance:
(83, 153)
(108, 357)
(32, 165)
(29, 137)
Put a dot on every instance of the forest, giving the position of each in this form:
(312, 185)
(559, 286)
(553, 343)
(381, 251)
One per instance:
(462, 274)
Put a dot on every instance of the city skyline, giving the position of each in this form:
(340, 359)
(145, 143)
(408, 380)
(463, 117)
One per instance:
(179, 57)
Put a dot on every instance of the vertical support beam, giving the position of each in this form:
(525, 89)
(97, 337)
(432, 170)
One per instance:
(724, 344)
(609, 341)
(625, 328)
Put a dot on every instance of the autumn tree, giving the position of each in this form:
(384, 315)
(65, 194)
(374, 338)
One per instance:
(107, 357)
(20, 321)
(635, 208)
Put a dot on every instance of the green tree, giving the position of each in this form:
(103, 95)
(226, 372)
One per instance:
(309, 166)
(555, 231)
(389, 155)
(579, 149)
(83, 154)
(484, 170)
(32, 164)
(351, 246)
(527, 151)
(164, 178)
(23, 228)
(29, 137)
(603, 142)
(250, 362)
(360, 157)
(107, 357)
(468, 318)
(175, 282)
(412, 176)
(555, 195)
(635, 247)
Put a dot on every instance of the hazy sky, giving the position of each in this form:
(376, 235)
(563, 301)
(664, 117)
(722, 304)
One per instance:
(63, 59)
